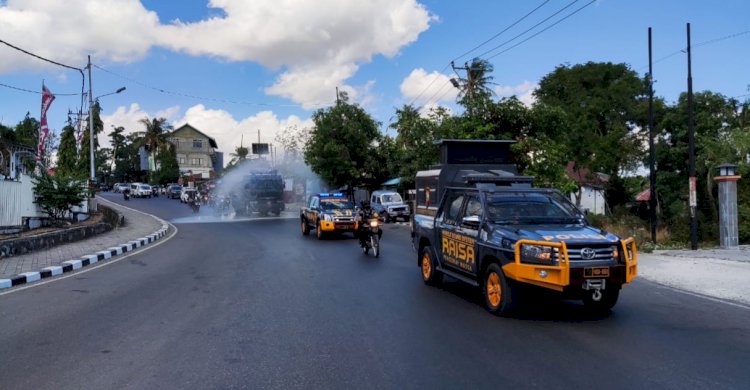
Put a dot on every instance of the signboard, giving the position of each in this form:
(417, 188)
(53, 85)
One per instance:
(260, 148)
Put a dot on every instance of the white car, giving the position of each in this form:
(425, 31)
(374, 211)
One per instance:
(187, 193)
(141, 190)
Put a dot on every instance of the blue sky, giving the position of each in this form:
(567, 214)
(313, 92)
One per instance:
(235, 67)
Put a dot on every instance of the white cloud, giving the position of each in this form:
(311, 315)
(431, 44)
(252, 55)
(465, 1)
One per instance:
(118, 30)
(318, 44)
(428, 89)
(129, 118)
(524, 92)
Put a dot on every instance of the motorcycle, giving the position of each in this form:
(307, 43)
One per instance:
(195, 204)
(370, 235)
(126, 195)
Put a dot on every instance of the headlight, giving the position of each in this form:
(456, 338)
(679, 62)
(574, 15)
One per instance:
(615, 253)
(537, 253)
(374, 223)
(327, 217)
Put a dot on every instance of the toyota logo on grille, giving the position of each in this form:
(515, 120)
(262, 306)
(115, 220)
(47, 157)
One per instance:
(588, 253)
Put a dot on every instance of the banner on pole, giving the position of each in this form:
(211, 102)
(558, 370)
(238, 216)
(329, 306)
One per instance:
(47, 99)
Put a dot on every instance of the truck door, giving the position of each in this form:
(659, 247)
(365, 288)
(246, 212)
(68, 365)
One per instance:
(448, 236)
(468, 231)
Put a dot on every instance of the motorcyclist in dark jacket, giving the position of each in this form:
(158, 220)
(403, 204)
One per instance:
(364, 215)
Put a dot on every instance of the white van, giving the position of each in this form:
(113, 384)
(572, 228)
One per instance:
(389, 205)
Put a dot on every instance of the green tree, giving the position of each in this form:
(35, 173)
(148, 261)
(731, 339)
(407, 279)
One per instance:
(601, 101)
(67, 153)
(155, 136)
(169, 169)
(719, 137)
(27, 133)
(84, 166)
(57, 194)
(341, 143)
(415, 140)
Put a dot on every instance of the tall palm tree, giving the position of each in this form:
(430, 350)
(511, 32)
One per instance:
(477, 82)
(155, 135)
(240, 154)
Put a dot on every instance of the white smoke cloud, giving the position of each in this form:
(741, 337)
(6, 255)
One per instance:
(221, 125)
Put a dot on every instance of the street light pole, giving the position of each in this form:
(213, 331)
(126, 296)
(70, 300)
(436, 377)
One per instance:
(91, 127)
(92, 165)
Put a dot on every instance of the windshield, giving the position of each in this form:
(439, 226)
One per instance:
(392, 198)
(531, 208)
(335, 204)
(145, 187)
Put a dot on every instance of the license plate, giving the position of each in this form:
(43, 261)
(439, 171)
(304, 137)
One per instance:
(596, 272)
(345, 227)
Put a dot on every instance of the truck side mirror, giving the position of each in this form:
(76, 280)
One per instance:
(471, 221)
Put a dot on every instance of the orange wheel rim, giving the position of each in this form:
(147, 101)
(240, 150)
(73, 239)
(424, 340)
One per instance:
(494, 291)
(426, 267)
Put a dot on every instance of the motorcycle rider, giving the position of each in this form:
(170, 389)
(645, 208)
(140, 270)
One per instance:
(364, 215)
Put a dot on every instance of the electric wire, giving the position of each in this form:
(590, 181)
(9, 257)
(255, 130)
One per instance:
(531, 28)
(504, 30)
(472, 50)
(704, 43)
(36, 92)
(191, 96)
(543, 30)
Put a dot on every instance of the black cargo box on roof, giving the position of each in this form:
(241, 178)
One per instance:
(467, 163)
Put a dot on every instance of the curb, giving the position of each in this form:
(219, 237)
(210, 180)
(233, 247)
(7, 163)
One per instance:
(83, 261)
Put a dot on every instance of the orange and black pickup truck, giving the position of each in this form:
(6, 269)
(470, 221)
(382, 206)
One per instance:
(490, 228)
(326, 213)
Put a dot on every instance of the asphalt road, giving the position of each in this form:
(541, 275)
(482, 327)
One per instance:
(254, 304)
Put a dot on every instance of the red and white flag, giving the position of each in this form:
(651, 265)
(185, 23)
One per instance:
(47, 99)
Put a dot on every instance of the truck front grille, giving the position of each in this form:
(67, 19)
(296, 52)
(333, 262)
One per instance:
(589, 253)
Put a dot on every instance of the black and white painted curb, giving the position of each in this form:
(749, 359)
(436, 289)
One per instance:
(75, 264)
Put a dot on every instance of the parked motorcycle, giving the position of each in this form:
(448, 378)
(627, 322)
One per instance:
(369, 238)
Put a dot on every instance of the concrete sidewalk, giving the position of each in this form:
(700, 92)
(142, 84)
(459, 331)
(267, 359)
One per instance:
(717, 273)
(137, 225)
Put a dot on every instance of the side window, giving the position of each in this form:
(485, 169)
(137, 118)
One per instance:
(313, 202)
(473, 207)
(452, 207)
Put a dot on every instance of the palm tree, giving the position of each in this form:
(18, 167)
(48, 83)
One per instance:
(240, 154)
(155, 135)
(477, 82)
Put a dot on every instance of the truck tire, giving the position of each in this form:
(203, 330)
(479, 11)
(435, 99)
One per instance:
(305, 227)
(499, 295)
(603, 305)
(430, 275)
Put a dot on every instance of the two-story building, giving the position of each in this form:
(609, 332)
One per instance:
(196, 152)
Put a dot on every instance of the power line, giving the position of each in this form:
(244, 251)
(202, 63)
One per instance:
(530, 28)
(191, 96)
(40, 57)
(36, 92)
(504, 30)
(545, 29)
(710, 41)
(472, 50)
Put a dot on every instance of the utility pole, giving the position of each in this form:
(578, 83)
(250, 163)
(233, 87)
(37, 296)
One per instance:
(337, 96)
(651, 164)
(691, 152)
(469, 81)
(91, 126)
